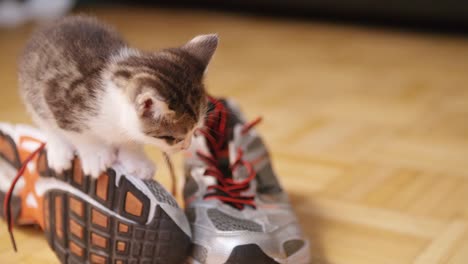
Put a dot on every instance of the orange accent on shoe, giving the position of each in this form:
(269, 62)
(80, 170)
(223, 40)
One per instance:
(30, 214)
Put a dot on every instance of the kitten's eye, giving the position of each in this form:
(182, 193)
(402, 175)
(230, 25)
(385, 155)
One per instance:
(167, 138)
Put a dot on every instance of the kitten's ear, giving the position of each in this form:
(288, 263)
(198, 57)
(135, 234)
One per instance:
(202, 47)
(149, 105)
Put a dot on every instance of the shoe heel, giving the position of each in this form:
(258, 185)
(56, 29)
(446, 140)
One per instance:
(9, 164)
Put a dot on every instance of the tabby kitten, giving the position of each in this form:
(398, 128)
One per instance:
(92, 93)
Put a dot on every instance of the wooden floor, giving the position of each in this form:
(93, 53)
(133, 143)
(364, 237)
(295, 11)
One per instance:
(368, 128)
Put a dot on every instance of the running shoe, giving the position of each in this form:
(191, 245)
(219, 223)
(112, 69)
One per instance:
(116, 218)
(238, 211)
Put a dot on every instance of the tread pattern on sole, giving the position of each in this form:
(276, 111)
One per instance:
(80, 232)
(92, 235)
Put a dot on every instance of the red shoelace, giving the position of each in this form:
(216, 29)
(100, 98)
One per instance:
(9, 194)
(227, 190)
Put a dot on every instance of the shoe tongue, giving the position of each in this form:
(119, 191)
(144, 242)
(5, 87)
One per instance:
(235, 139)
(233, 117)
(239, 142)
(240, 172)
(199, 144)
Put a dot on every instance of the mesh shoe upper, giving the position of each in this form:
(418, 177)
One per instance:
(225, 222)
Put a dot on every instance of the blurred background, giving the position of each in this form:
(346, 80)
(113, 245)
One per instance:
(365, 107)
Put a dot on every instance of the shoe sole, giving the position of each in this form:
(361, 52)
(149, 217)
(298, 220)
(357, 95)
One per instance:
(104, 220)
(251, 253)
(9, 157)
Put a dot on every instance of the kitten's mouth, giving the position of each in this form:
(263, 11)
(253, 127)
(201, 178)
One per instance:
(173, 150)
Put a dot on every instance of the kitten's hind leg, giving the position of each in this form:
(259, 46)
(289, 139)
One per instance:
(133, 158)
(60, 152)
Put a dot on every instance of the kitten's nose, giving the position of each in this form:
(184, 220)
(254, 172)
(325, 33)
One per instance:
(186, 143)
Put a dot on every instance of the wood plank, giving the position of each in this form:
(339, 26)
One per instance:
(367, 127)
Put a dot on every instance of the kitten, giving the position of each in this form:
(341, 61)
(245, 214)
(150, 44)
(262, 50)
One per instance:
(92, 93)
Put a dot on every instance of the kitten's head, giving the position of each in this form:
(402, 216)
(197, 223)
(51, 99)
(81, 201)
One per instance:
(167, 91)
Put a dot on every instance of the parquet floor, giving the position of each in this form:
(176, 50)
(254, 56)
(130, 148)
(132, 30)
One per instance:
(368, 128)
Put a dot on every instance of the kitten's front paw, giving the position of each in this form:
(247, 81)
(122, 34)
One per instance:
(95, 162)
(59, 156)
(137, 164)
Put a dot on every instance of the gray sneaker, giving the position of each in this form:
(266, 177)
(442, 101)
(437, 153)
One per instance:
(238, 210)
(115, 219)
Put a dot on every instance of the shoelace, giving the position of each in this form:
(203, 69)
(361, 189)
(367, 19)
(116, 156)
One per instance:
(227, 190)
(170, 167)
(9, 194)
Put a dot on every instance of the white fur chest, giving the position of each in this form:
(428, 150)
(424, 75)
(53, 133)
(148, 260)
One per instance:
(117, 122)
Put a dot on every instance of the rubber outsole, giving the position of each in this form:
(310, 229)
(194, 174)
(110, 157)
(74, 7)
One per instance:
(9, 154)
(8, 150)
(99, 222)
(250, 253)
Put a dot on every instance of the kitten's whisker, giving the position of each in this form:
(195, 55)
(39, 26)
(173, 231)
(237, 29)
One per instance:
(214, 131)
(205, 127)
(227, 111)
(223, 110)
(211, 118)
